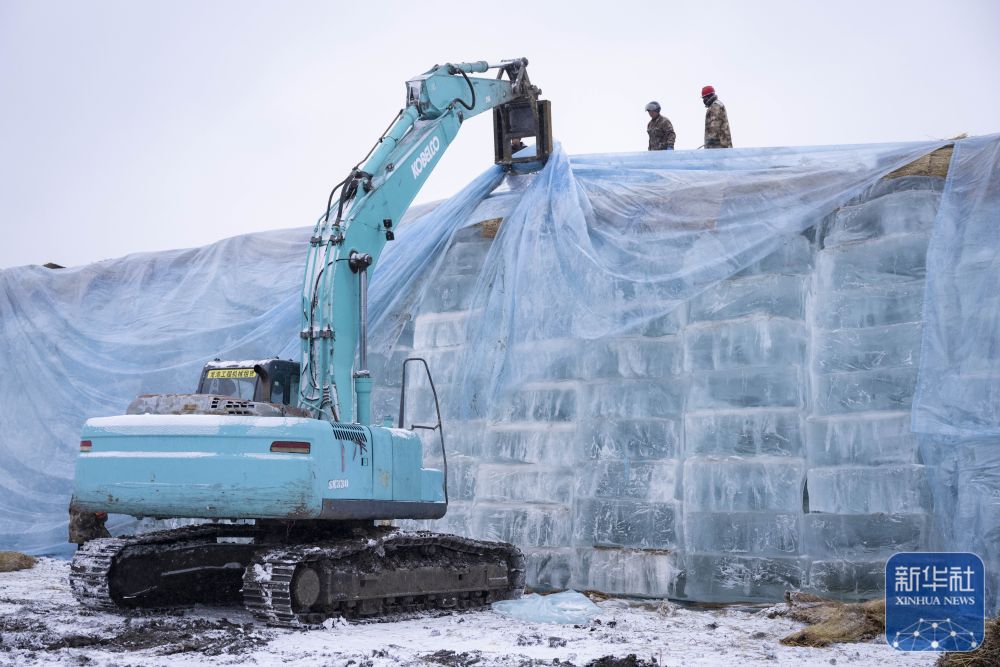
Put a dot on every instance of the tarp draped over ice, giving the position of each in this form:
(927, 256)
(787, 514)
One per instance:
(409, 264)
(593, 247)
(82, 342)
(956, 405)
(605, 244)
(959, 389)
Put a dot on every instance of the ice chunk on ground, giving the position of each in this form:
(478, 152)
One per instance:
(568, 608)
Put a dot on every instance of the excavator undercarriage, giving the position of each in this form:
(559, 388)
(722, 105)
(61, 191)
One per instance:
(296, 577)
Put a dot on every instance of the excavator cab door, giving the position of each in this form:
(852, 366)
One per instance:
(277, 381)
(422, 410)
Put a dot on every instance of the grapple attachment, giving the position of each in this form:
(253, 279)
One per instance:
(525, 117)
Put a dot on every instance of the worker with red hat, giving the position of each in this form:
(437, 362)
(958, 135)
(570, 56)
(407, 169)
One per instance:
(716, 121)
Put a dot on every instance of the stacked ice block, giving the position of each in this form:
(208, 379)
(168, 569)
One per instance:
(580, 467)
(869, 494)
(745, 347)
(750, 440)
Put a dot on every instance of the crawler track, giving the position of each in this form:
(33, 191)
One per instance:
(384, 575)
(369, 574)
(162, 569)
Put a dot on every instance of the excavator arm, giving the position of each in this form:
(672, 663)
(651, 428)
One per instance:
(348, 239)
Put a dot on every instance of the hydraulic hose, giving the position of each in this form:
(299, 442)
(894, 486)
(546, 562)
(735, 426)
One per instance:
(329, 201)
(471, 88)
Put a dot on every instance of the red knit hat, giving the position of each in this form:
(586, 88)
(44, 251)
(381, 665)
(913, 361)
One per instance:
(707, 90)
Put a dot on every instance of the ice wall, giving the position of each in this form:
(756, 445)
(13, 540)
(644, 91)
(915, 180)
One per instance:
(752, 438)
(687, 374)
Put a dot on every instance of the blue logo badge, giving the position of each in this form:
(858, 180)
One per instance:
(934, 601)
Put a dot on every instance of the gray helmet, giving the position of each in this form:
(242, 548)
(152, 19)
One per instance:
(653, 106)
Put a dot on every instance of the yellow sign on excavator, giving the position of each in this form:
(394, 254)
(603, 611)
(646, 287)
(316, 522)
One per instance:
(231, 373)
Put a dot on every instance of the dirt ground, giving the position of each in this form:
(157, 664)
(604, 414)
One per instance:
(41, 624)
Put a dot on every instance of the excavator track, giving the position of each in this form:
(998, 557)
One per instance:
(160, 569)
(379, 576)
(369, 574)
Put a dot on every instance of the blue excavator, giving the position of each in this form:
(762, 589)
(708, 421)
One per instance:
(282, 457)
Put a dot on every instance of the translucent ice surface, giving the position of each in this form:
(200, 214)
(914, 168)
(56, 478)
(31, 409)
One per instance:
(568, 607)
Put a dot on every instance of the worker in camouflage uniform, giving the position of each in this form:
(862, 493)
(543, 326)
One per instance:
(86, 526)
(716, 121)
(661, 132)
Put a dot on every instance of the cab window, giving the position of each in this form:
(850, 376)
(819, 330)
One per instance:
(279, 391)
(232, 382)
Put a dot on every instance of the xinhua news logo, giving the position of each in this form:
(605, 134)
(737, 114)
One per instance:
(935, 601)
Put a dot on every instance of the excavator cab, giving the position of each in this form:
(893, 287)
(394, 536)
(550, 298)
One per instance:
(267, 381)
(265, 388)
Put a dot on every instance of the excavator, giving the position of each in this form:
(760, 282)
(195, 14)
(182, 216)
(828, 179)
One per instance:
(299, 487)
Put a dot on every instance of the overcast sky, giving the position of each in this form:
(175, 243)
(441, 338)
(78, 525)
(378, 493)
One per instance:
(132, 126)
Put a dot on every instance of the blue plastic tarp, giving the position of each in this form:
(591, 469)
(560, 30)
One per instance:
(958, 393)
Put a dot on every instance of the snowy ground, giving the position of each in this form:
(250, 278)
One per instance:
(40, 624)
